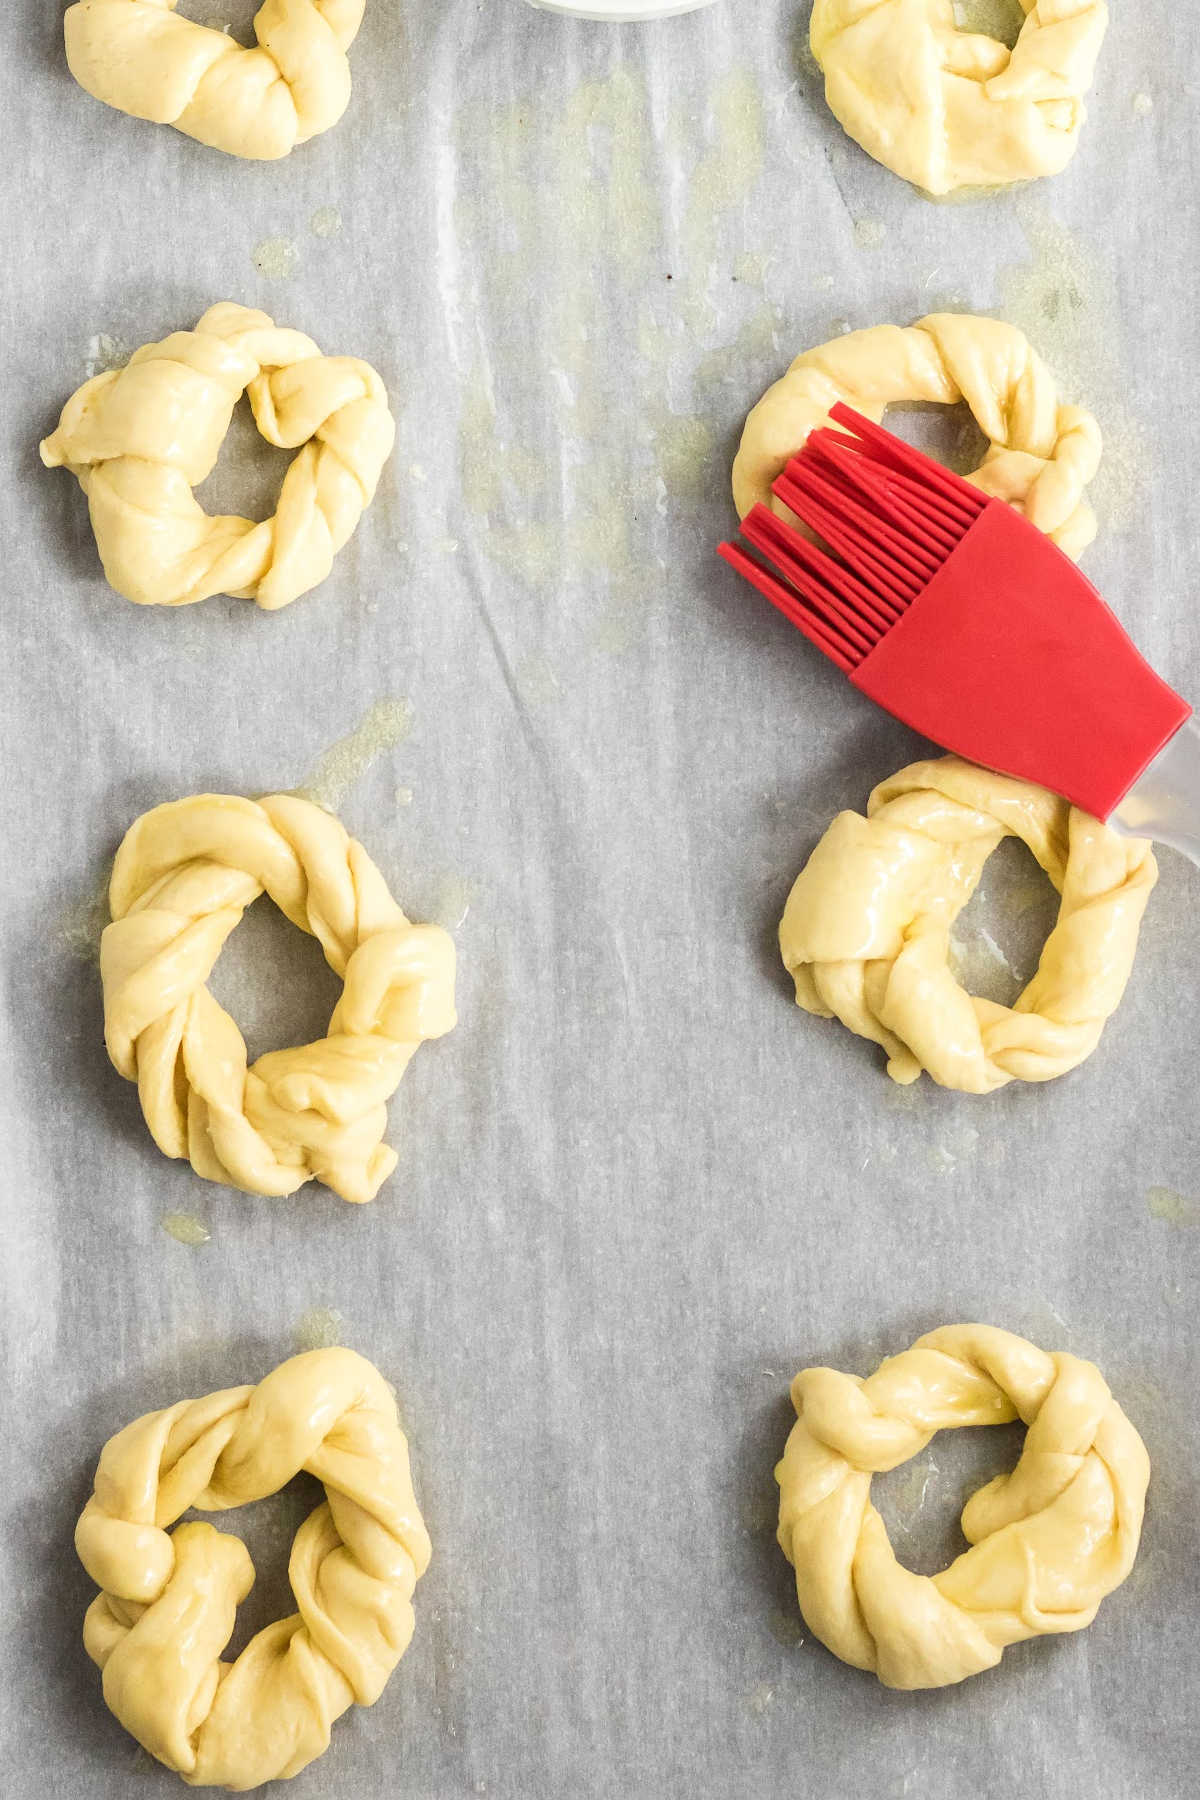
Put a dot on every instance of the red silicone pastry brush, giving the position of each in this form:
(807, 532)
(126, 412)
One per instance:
(951, 611)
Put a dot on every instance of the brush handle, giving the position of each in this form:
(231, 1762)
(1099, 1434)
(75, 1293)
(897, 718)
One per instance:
(1164, 803)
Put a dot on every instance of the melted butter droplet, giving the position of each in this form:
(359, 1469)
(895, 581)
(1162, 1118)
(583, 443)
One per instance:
(326, 222)
(869, 234)
(275, 258)
(1172, 1208)
(185, 1228)
(452, 903)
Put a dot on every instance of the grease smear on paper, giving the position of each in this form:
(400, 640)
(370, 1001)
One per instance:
(383, 726)
(584, 180)
(185, 1228)
(320, 1328)
(1065, 299)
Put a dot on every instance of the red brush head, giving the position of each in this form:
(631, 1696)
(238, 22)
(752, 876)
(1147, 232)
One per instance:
(954, 613)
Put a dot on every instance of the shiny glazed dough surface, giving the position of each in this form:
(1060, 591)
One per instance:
(140, 438)
(865, 933)
(1041, 453)
(1048, 1542)
(949, 108)
(169, 1599)
(183, 876)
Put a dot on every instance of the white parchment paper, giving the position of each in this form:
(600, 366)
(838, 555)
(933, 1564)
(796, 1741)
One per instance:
(637, 1189)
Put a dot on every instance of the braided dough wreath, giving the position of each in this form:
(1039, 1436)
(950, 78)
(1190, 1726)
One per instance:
(169, 1600)
(142, 58)
(182, 879)
(947, 108)
(1048, 1542)
(138, 440)
(1041, 454)
(865, 933)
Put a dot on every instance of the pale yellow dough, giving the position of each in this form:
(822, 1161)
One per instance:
(1048, 1542)
(948, 108)
(866, 930)
(139, 439)
(168, 1603)
(182, 878)
(142, 58)
(1041, 454)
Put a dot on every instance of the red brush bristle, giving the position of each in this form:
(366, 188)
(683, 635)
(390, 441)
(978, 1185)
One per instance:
(953, 612)
(886, 517)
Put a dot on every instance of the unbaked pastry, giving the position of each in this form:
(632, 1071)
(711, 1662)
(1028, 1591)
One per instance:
(169, 1600)
(1041, 454)
(866, 930)
(143, 58)
(182, 879)
(139, 439)
(1048, 1542)
(948, 108)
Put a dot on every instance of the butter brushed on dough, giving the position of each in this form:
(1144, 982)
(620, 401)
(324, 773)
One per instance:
(947, 108)
(1041, 454)
(142, 58)
(1048, 1542)
(169, 1600)
(183, 876)
(140, 438)
(865, 933)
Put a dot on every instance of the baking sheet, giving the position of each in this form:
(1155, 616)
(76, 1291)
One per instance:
(637, 1189)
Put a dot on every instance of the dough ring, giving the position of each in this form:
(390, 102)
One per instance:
(946, 108)
(866, 929)
(169, 1601)
(1048, 1542)
(142, 58)
(139, 439)
(182, 879)
(1041, 454)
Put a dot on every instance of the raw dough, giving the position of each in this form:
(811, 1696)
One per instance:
(866, 929)
(1048, 1541)
(1041, 454)
(169, 1601)
(139, 439)
(947, 108)
(182, 878)
(141, 57)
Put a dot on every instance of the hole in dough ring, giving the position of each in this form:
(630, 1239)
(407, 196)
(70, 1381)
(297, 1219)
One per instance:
(1048, 1542)
(947, 108)
(183, 876)
(139, 439)
(865, 933)
(142, 58)
(1041, 454)
(168, 1602)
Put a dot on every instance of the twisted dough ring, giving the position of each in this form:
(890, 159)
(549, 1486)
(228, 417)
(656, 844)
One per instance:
(182, 878)
(142, 58)
(138, 440)
(946, 108)
(866, 929)
(1041, 454)
(1048, 1541)
(169, 1601)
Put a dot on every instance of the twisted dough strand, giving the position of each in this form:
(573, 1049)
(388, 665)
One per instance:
(1048, 1541)
(866, 930)
(1041, 454)
(138, 440)
(168, 1602)
(182, 878)
(142, 58)
(946, 108)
